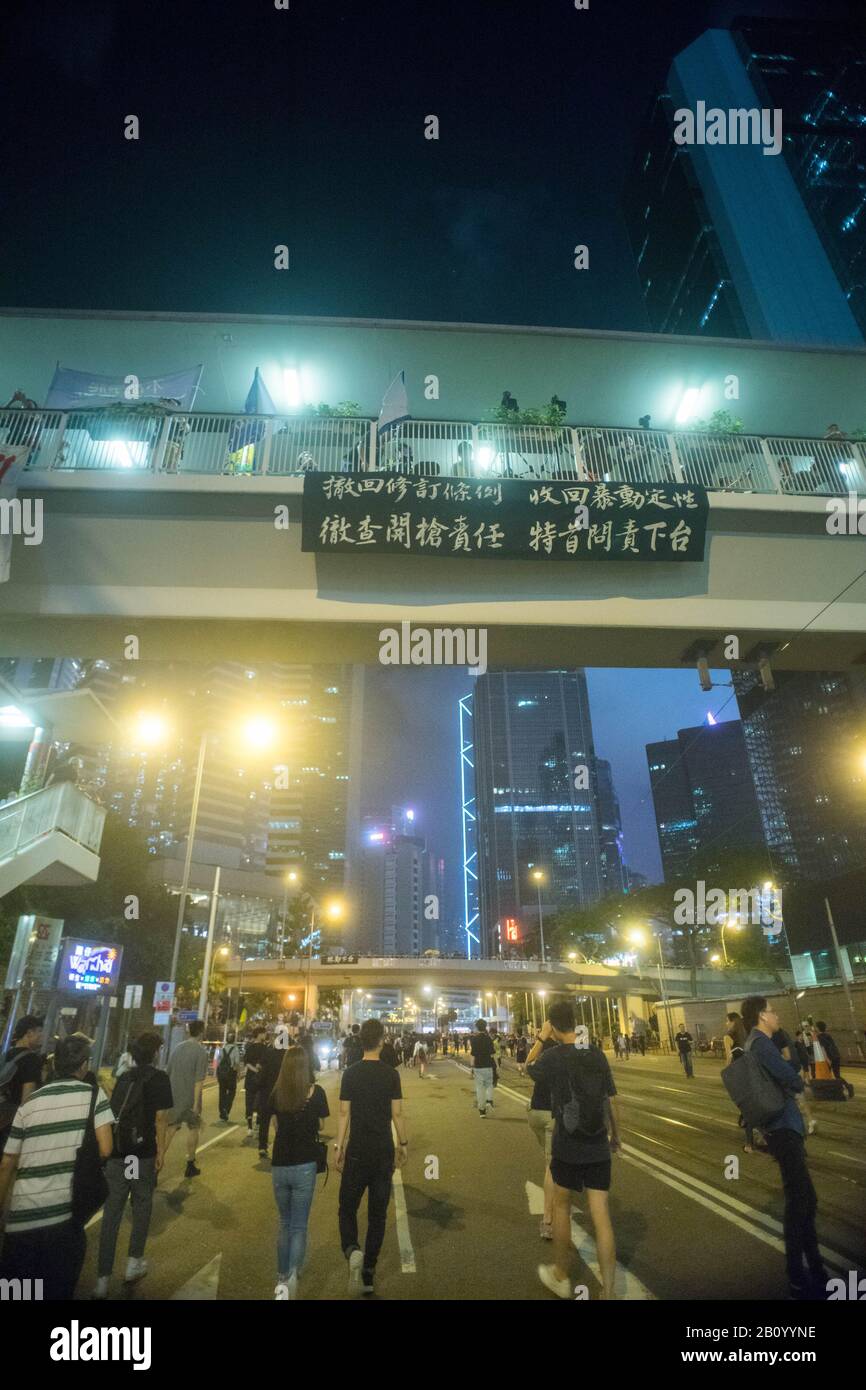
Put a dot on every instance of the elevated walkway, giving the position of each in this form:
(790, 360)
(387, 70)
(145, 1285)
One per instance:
(52, 837)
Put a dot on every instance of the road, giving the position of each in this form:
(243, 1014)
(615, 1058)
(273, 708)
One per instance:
(684, 1231)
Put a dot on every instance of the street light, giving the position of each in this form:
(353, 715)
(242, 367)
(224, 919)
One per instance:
(334, 911)
(735, 926)
(152, 728)
(538, 876)
(638, 939)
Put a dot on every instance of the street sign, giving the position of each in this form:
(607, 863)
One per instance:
(132, 996)
(339, 960)
(163, 997)
(187, 1015)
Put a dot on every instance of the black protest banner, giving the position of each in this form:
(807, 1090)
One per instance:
(507, 518)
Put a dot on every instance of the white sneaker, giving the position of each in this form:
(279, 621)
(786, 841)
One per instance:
(101, 1290)
(561, 1287)
(813, 1128)
(281, 1291)
(135, 1270)
(356, 1265)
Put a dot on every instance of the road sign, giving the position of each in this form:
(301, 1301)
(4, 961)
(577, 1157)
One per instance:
(132, 996)
(163, 997)
(187, 1015)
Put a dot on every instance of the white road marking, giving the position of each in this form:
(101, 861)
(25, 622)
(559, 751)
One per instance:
(404, 1238)
(738, 1213)
(850, 1157)
(666, 1119)
(626, 1284)
(203, 1287)
(94, 1220)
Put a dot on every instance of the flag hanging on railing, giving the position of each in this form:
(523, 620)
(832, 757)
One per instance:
(74, 390)
(245, 434)
(395, 404)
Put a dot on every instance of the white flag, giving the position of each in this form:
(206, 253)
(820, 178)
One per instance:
(395, 404)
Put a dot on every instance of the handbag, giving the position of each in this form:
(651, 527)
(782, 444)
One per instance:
(322, 1160)
(89, 1184)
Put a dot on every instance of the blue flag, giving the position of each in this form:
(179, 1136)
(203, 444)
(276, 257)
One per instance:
(258, 402)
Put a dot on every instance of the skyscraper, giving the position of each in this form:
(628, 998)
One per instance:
(703, 795)
(389, 892)
(705, 218)
(613, 870)
(806, 747)
(535, 798)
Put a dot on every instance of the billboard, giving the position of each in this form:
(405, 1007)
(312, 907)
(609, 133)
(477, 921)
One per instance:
(34, 952)
(89, 967)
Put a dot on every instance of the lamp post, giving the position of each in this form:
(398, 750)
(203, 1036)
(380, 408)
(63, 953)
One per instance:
(334, 911)
(291, 877)
(538, 877)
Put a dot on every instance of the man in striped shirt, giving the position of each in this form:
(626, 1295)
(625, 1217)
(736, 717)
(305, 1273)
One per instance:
(42, 1241)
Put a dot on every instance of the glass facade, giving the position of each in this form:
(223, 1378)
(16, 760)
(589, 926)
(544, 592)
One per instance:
(805, 744)
(532, 731)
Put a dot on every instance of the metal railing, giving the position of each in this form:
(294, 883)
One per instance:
(62, 807)
(203, 443)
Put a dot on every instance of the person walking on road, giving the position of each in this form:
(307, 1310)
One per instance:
(421, 1057)
(352, 1049)
(785, 1138)
(187, 1069)
(254, 1053)
(683, 1040)
(832, 1053)
(141, 1102)
(586, 1133)
(269, 1070)
(788, 1050)
(389, 1053)
(43, 1239)
(21, 1071)
(481, 1048)
(299, 1106)
(541, 1123)
(371, 1102)
(521, 1052)
(227, 1075)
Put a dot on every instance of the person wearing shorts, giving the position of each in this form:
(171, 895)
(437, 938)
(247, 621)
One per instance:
(187, 1069)
(541, 1124)
(580, 1157)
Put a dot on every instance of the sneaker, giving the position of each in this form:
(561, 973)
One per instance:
(561, 1287)
(191, 1170)
(813, 1128)
(101, 1290)
(135, 1270)
(263, 1153)
(483, 1114)
(546, 1230)
(367, 1277)
(356, 1265)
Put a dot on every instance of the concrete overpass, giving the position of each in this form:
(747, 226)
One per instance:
(156, 536)
(410, 973)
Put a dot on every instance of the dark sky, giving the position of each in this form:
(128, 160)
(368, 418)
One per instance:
(305, 126)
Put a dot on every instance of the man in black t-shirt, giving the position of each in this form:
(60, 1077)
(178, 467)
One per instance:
(254, 1053)
(683, 1041)
(371, 1101)
(141, 1102)
(585, 1134)
(21, 1069)
(481, 1047)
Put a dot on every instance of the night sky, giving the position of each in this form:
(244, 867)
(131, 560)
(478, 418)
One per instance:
(261, 126)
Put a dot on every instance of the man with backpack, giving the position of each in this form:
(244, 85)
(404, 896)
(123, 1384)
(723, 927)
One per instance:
(21, 1071)
(140, 1101)
(585, 1134)
(765, 1088)
(227, 1075)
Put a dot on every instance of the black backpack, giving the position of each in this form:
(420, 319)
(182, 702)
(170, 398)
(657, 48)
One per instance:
(226, 1068)
(127, 1102)
(581, 1102)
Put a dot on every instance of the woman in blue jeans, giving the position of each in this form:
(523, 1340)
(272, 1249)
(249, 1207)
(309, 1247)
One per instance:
(299, 1108)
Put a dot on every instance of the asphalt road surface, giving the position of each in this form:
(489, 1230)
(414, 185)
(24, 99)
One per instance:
(464, 1221)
